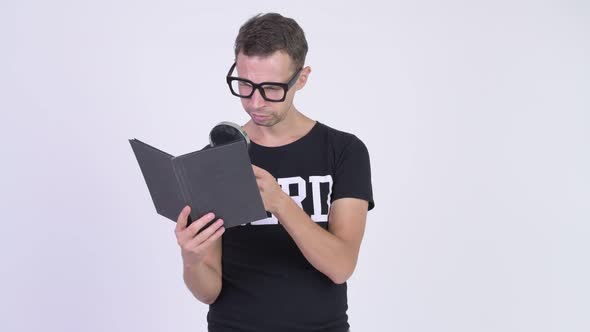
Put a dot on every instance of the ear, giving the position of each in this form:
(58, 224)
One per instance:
(303, 76)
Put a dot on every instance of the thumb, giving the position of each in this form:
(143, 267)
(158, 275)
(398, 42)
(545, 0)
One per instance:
(182, 219)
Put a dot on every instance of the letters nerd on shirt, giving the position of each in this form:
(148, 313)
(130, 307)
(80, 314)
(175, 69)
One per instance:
(301, 194)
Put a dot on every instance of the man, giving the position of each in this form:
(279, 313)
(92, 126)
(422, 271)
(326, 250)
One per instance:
(287, 272)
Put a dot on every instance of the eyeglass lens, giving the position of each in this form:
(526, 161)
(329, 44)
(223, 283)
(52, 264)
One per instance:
(245, 89)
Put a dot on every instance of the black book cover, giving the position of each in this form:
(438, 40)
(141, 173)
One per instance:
(218, 179)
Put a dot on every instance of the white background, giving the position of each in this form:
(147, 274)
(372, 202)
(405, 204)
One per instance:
(475, 113)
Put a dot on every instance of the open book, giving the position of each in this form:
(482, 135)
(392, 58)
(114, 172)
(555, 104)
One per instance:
(218, 179)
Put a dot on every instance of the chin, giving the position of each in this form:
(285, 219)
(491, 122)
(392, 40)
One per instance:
(264, 123)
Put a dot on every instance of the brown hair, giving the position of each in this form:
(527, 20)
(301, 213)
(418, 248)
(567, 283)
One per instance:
(262, 35)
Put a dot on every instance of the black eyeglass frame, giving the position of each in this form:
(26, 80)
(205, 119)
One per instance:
(285, 86)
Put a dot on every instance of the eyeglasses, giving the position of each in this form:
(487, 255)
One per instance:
(270, 91)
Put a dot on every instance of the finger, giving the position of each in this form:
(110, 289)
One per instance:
(194, 228)
(182, 219)
(205, 234)
(256, 170)
(209, 241)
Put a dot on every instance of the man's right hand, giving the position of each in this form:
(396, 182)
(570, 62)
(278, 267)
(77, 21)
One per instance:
(195, 246)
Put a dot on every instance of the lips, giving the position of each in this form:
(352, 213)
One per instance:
(259, 117)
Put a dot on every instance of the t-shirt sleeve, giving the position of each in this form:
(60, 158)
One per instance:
(352, 175)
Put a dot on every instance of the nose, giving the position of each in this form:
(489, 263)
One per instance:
(256, 100)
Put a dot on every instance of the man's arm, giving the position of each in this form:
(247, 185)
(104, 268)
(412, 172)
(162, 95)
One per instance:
(204, 279)
(201, 255)
(333, 252)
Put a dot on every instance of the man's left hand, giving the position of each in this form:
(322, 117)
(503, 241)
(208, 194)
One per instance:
(270, 190)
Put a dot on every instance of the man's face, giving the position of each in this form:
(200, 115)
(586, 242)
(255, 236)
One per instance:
(277, 67)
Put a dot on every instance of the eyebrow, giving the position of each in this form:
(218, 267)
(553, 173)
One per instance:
(234, 66)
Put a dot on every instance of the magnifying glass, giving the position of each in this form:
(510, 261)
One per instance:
(227, 132)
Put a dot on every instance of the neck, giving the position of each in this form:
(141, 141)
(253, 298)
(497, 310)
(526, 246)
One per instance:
(288, 130)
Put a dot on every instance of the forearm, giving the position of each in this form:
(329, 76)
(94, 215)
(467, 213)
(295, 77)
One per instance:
(322, 249)
(203, 281)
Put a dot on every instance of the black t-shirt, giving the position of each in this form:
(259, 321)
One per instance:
(267, 284)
